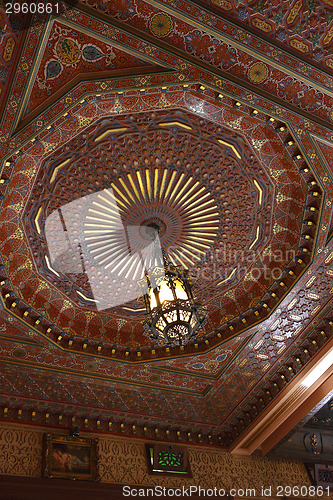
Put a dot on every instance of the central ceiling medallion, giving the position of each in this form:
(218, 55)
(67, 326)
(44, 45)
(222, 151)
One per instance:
(183, 210)
(109, 236)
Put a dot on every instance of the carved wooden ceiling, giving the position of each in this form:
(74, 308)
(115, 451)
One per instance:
(213, 118)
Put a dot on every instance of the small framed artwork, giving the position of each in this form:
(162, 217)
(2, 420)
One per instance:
(69, 457)
(167, 460)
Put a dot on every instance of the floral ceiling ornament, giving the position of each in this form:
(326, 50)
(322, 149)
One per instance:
(258, 73)
(161, 25)
(67, 53)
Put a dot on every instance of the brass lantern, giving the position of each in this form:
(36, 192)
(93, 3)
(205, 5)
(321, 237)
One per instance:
(173, 317)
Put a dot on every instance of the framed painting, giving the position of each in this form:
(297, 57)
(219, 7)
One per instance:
(69, 457)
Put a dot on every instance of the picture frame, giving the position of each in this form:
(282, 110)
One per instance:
(167, 460)
(69, 457)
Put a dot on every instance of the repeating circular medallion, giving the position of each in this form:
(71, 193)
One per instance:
(161, 25)
(258, 73)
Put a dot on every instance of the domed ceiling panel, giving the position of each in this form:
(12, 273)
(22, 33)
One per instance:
(305, 27)
(12, 37)
(214, 42)
(69, 56)
(204, 183)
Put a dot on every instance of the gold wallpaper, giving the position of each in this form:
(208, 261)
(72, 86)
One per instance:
(124, 461)
(20, 450)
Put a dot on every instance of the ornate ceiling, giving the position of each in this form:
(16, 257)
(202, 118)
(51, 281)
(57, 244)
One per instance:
(212, 118)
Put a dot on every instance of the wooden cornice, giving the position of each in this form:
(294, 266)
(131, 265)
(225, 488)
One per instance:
(293, 404)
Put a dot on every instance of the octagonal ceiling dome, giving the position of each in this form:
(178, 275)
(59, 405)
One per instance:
(200, 181)
(201, 184)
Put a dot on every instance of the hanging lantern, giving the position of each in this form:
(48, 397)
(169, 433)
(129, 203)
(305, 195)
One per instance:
(173, 317)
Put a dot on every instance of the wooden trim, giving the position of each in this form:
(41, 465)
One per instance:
(31, 488)
(293, 419)
(87, 77)
(28, 488)
(293, 404)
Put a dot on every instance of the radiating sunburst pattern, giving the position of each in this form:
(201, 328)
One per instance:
(195, 181)
(115, 225)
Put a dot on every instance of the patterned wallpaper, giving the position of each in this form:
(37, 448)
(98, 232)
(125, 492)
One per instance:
(143, 56)
(20, 451)
(123, 461)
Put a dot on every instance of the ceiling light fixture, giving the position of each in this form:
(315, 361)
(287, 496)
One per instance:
(173, 317)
